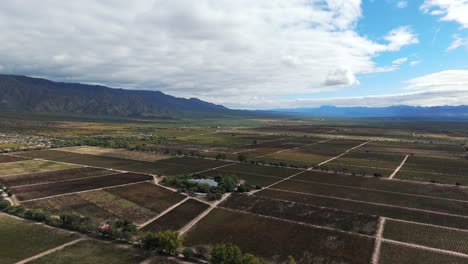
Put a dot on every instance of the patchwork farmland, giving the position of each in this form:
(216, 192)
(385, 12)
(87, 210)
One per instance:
(316, 198)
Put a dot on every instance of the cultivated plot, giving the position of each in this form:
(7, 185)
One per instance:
(20, 239)
(266, 237)
(92, 252)
(31, 166)
(177, 217)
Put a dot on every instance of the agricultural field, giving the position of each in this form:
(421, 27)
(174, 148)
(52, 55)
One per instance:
(91, 252)
(116, 153)
(20, 239)
(8, 158)
(369, 208)
(31, 166)
(30, 192)
(265, 237)
(318, 192)
(373, 183)
(394, 253)
(53, 176)
(367, 163)
(429, 169)
(430, 236)
(332, 218)
(373, 196)
(147, 195)
(177, 217)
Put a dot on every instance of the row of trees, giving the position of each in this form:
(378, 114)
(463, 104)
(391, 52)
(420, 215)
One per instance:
(119, 229)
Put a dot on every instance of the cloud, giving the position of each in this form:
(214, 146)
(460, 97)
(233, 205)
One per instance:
(340, 77)
(415, 62)
(450, 80)
(402, 4)
(400, 37)
(458, 42)
(440, 88)
(216, 50)
(448, 10)
(400, 61)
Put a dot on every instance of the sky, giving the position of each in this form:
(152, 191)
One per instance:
(249, 54)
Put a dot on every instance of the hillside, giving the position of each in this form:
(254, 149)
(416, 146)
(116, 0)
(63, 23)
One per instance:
(25, 94)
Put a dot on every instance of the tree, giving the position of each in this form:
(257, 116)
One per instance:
(242, 157)
(291, 260)
(166, 242)
(226, 254)
(250, 259)
(188, 253)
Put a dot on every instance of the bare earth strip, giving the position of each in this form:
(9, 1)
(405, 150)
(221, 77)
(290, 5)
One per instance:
(378, 241)
(398, 168)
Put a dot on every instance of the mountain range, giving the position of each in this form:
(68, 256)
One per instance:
(26, 94)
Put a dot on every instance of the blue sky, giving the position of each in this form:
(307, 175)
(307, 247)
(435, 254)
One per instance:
(251, 54)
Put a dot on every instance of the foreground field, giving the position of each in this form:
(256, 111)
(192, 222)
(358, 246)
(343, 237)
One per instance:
(20, 239)
(92, 252)
(266, 237)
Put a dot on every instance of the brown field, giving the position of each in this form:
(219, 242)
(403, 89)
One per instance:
(392, 254)
(177, 217)
(346, 221)
(371, 209)
(450, 192)
(435, 237)
(147, 195)
(7, 158)
(119, 207)
(73, 204)
(274, 239)
(51, 189)
(375, 196)
(31, 166)
(52, 176)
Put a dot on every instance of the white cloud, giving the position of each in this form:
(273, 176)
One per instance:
(448, 10)
(400, 61)
(400, 37)
(402, 4)
(451, 80)
(458, 42)
(340, 77)
(217, 50)
(415, 62)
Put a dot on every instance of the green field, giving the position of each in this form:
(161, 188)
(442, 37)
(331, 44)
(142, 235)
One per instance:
(22, 239)
(92, 252)
(32, 166)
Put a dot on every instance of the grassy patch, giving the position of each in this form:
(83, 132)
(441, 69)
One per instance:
(21, 239)
(30, 166)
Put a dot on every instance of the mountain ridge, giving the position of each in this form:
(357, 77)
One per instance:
(22, 93)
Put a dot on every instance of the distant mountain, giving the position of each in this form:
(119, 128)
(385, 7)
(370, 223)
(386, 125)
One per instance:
(25, 94)
(401, 111)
